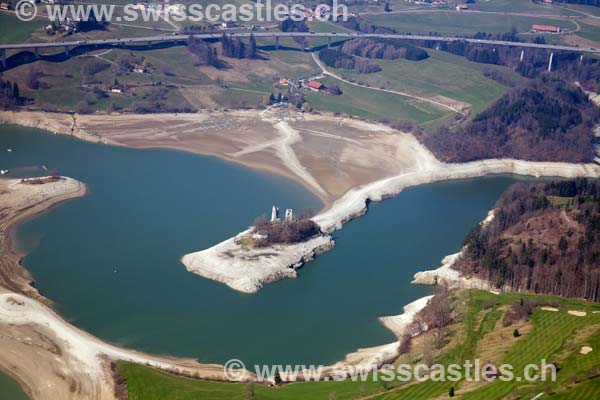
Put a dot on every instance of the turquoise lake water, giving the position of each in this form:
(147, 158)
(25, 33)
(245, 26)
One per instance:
(147, 208)
(10, 390)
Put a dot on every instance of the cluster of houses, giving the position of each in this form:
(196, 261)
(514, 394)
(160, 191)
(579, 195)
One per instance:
(67, 27)
(160, 7)
(310, 84)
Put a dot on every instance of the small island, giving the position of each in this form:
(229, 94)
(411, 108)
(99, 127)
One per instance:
(271, 250)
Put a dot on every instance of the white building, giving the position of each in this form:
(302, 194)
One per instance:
(274, 214)
(289, 215)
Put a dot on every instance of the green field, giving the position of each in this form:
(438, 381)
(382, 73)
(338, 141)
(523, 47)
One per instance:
(520, 6)
(443, 74)
(376, 105)
(456, 23)
(589, 10)
(591, 32)
(477, 333)
(12, 30)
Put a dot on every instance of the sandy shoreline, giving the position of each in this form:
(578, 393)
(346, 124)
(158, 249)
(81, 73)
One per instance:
(83, 356)
(12, 275)
(46, 355)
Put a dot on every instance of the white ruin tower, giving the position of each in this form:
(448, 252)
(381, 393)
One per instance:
(289, 215)
(274, 214)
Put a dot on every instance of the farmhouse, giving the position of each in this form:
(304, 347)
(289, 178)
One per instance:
(4, 6)
(139, 69)
(314, 85)
(545, 28)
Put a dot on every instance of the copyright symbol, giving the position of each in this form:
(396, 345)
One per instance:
(235, 370)
(26, 10)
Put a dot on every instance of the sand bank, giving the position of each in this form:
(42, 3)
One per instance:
(212, 263)
(249, 269)
(20, 202)
(400, 323)
(328, 155)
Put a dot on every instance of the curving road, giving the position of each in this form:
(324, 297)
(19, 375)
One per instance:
(424, 99)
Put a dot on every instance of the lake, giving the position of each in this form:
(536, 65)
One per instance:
(110, 261)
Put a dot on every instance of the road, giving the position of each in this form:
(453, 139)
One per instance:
(338, 35)
(436, 103)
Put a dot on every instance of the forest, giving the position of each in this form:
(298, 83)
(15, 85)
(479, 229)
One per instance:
(383, 49)
(545, 120)
(544, 238)
(336, 58)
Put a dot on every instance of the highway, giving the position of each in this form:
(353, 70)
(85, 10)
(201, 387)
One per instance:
(275, 35)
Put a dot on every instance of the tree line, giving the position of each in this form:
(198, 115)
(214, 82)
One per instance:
(236, 48)
(544, 238)
(383, 49)
(336, 58)
(10, 95)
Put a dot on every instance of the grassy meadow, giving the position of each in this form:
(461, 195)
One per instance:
(456, 23)
(443, 74)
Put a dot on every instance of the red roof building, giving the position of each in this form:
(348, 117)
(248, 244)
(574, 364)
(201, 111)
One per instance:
(545, 28)
(315, 85)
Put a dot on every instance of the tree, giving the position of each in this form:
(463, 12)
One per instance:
(563, 245)
(451, 392)
(405, 344)
(334, 90)
(277, 379)
(306, 106)
(387, 7)
(516, 333)
(32, 79)
(252, 49)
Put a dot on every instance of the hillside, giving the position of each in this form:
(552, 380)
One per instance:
(545, 238)
(547, 120)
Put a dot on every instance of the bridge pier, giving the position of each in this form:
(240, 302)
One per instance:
(550, 62)
(4, 58)
(303, 45)
(67, 50)
(581, 60)
(150, 44)
(36, 52)
(328, 42)
(276, 42)
(522, 55)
